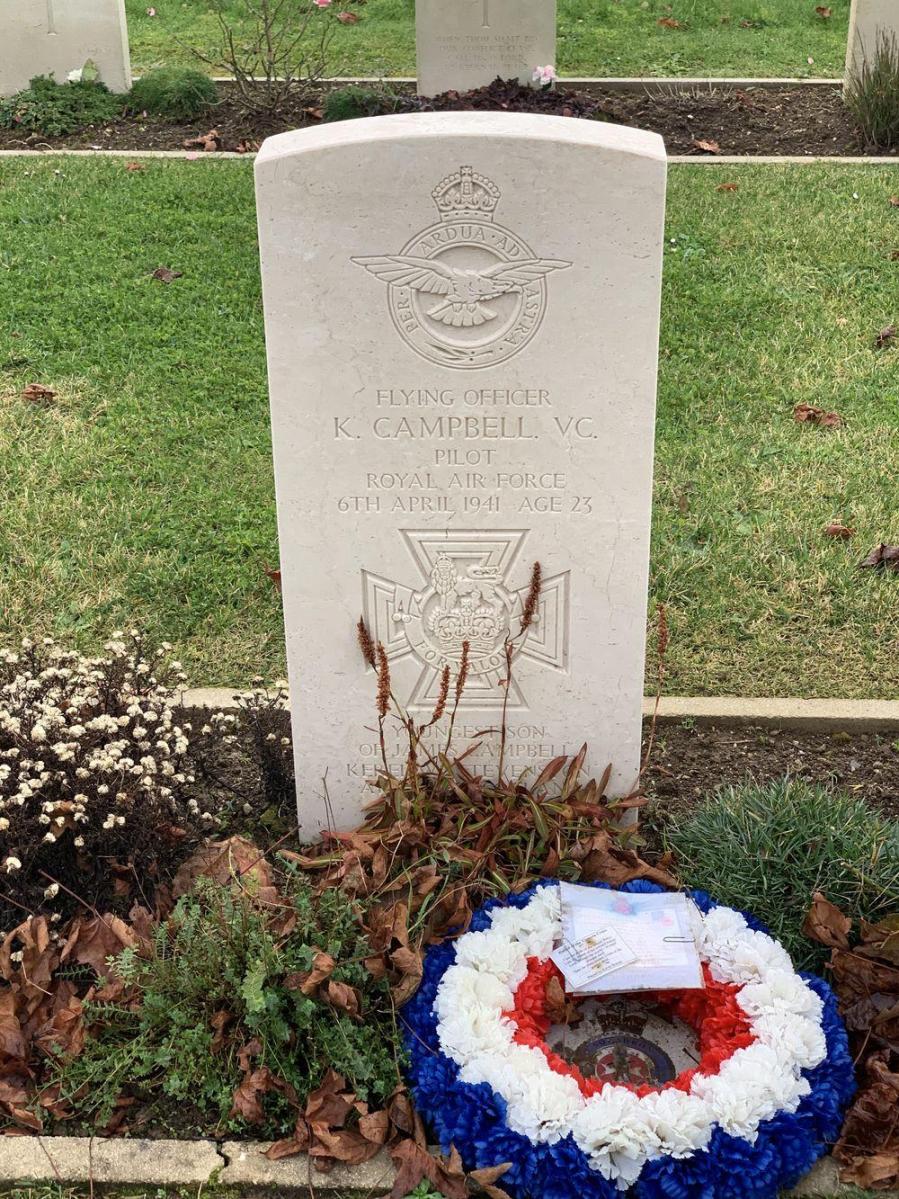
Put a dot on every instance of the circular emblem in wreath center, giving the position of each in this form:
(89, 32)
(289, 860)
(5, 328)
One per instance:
(465, 292)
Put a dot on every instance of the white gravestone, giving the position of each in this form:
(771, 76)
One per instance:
(462, 44)
(461, 318)
(868, 21)
(55, 37)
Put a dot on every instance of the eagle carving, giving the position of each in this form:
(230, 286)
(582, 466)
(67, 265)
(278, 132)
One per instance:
(464, 292)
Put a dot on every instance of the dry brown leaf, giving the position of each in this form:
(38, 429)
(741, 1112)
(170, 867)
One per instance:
(165, 274)
(727, 187)
(207, 142)
(882, 557)
(37, 393)
(826, 924)
(134, 166)
(233, 860)
(669, 23)
(707, 145)
(885, 337)
(840, 531)
(486, 1179)
(414, 1164)
(559, 1008)
(809, 414)
(247, 1099)
(344, 998)
(824, 11)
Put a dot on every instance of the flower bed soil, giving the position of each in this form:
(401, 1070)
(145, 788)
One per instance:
(721, 120)
(689, 762)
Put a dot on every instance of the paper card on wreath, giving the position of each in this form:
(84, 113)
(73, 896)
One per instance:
(657, 932)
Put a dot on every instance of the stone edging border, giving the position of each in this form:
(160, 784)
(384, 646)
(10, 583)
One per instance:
(106, 1162)
(810, 715)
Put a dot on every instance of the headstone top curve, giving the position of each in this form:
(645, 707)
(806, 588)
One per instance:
(409, 126)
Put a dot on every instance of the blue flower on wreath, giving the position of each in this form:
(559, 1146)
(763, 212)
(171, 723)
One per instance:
(472, 1118)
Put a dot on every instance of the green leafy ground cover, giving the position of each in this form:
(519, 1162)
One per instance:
(596, 37)
(141, 493)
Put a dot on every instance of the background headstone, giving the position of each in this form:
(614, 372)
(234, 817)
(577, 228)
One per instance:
(867, 20)
(461, 324)
(54, 37)
(462, 44)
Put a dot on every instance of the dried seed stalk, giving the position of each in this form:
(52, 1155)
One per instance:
(365, 643)
(533, 597)
(383, 700)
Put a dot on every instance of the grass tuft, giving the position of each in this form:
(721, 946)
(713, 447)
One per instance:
(768, 849)
(872, 94)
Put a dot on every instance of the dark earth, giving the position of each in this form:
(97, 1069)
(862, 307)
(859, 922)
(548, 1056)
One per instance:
(802, 120)
(691, 761)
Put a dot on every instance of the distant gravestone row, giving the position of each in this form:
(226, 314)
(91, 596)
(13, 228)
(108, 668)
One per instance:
(463, 44)
(56, 37)
(462, 326)
(869, 22)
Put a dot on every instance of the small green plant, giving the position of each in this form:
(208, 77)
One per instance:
(176, 93)
(348, 103)
(218, 1011)
(56, 109)
(768, 849)
(872, 93)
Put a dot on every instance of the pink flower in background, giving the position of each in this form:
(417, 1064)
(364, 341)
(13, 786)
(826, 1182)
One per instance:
(544, 75)
(321, 3)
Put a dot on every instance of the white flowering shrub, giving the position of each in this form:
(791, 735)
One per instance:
(94, 775)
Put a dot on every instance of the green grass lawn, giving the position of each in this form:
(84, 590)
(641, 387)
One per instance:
(143, 493)
(596, 37)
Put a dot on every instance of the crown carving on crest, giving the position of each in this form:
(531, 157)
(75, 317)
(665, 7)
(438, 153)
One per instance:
(466, 194)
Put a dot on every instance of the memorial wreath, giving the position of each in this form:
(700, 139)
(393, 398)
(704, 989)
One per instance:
(760, 1106)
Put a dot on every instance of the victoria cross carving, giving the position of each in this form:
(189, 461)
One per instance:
(467, 591)
(465, 292)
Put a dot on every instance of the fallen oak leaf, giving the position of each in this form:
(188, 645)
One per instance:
(839, 531)
(670, 23)
(706, 145)
(894, 201)
(37, 393)
(274, 575)
(826, 924)
(486, 1178)
(134, 166)
(348, 18)
(344, 998)
(559, 1009)
(824, 11)
(809, 414)
(885, 337)
(727, 187)
(414, 1164)
(882, 557)
(165, 274)
(308, 982)
(207, 142)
